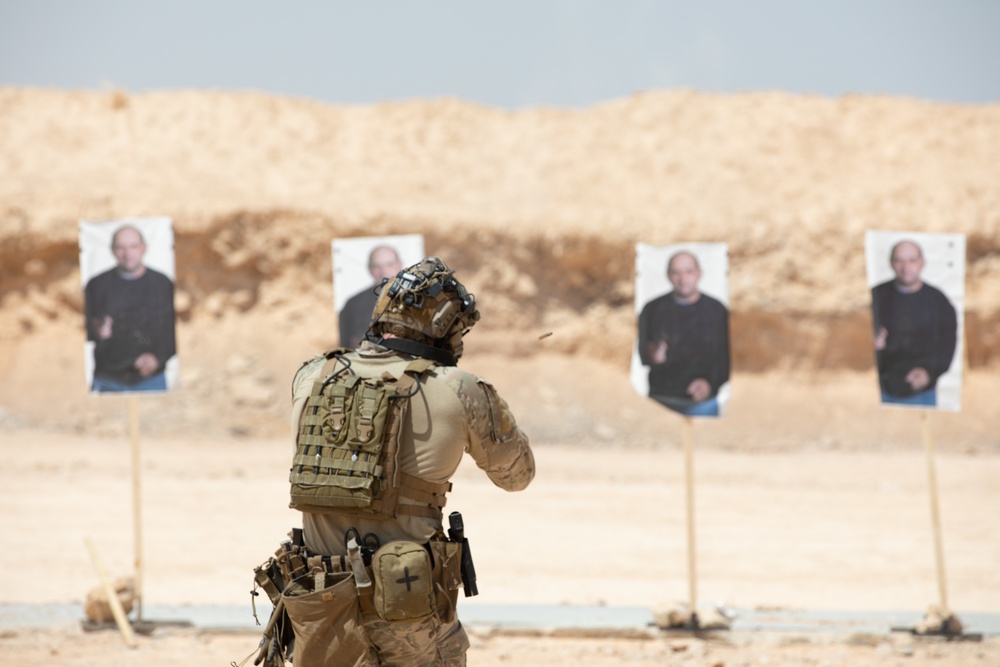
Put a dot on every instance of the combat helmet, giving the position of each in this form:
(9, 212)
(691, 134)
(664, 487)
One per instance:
(426, 310)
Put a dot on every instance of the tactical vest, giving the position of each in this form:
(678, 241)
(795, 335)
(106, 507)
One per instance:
(346, 458)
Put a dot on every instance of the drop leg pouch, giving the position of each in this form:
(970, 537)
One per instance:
(327, 621)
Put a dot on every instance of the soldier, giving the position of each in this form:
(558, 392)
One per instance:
(357, 508)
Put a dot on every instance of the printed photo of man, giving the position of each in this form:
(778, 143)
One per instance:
(130, 319)
(360, 264)
(683, 339)
(915, 330)
(355, 317)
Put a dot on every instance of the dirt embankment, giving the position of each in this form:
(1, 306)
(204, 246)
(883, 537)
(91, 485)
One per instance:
(539, 210)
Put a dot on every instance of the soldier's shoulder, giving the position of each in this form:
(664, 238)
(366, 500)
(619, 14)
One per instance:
(461, 381)
(314, 359)
(308, 363)
(452, 372)
(308, 370)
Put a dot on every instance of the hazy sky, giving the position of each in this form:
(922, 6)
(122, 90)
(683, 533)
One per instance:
(509, 54)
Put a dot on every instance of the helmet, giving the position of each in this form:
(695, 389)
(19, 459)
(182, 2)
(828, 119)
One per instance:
(426, 304)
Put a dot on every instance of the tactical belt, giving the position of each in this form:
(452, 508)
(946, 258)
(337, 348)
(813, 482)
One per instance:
(294, 560)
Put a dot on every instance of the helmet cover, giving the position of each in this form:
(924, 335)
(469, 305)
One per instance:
(426, 304)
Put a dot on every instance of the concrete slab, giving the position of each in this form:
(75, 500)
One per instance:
(514, 618)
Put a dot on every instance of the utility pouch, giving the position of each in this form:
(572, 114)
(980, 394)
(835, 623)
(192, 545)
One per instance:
(289, 562)
(267, 576)
(447, 557)
(326, 617)
(404, 584)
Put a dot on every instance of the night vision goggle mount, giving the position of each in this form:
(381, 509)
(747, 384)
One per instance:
(427, 300)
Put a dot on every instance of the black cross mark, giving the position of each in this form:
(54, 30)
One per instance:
(407, 578)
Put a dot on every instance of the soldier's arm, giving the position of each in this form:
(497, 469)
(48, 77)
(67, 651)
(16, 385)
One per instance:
(499, 447)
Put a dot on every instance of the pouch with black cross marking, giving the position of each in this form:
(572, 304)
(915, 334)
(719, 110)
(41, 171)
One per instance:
(404, 585)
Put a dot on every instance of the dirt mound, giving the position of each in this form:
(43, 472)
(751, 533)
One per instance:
(539, 210)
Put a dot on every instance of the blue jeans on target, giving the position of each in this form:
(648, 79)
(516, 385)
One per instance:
(156, 382)
(685, 406)
(927, 397)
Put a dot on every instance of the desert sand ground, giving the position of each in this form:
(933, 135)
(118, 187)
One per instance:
(808, 494)
(184, 647)
(813, 528)
(820, 530)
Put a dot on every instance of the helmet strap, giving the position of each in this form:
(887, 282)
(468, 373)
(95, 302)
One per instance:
(443, 357)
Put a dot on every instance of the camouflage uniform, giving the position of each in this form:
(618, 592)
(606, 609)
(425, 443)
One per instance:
(454, 412)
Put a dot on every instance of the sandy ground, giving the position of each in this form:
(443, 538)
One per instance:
(808, 496)
(806, 530)
(71, 648)
(783, 517)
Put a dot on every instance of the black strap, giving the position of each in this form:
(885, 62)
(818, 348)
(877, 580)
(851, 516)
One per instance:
(443, 357)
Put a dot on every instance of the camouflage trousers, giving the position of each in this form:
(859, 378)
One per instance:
(425, 642)
(369, 641)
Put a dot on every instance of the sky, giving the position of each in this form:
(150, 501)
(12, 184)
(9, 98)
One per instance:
(511, 54)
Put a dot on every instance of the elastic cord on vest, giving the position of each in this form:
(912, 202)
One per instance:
(443, 357)
(339, 355)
